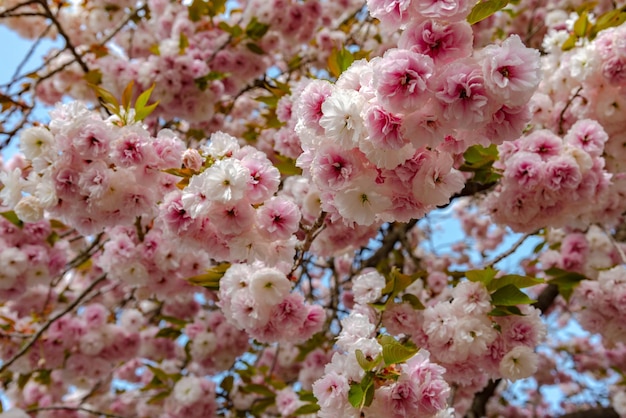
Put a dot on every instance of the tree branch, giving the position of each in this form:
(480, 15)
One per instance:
(51, 321)
(606, 412)
(509, 251)
(479, 405)
(396, 231)
(74, 408)
(64, 35)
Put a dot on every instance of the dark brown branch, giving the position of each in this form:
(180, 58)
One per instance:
(567, 105)
(65, 36)
(74, 408)
(479, 405)
(546, 298)
(17, 6)
(607, 412)
(396, 231)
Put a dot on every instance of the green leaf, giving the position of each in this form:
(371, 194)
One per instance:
(566, 281)
(563, 277)
(173, 320)
(356, 396)
(11, 216)
(154, 49)
(581, 25)
(210, 279)
(155, 383)
(200, 8)
(255, 30)
(484, 9)
(258, 389)
(143, 98)
(145, 112)
(159, 397)
(478, 156)
(484, 276)
(183, 43)
(255, 48)
(227, 383)
(107, 99)
(260, 405)
(369, 389)
(366, 364)
(203, 82)
(607, 20)
(127, 95)
(505, 311)
(294, 62)
(93, 77)
(539, 247)
(185, 173)
(287, 166)
(43, 377)
(234, 31)
(413, 301)
(216, 7)
(397, 282)
(23, 379)
(306, 409)
(339, 61)
(479, 160)
(170, 333)
(270, 101)
(569, 43)
(510, 295)
(158, 373)
(518, 281)
(196, 10)
(394, 352)
(306, 396)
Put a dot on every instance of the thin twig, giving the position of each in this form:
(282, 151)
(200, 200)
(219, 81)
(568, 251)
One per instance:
(17, 6)
(29, 54)
(74, 408)
(567, 105)
(396, 230)
(312, 233)
(509, 251)
(51, 321)
(68, 42)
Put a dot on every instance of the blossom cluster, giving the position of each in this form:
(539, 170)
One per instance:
(194, 64)
(90, 173)
(463, 336)
(544, 176)
(259, 300)
(599, 304)
(414, 388)
(79, 350)
(29, 260)
(381, 144)
(586, 252)
(229, 207)
(153, 263)
(253, 258)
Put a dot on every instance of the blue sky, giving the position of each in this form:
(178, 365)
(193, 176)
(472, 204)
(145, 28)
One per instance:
(13, 49)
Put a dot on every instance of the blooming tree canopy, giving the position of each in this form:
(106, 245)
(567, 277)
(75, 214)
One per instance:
(231, 209)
